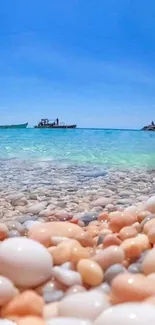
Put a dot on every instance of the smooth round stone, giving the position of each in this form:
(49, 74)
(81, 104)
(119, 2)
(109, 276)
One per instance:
(23, 219)
(30, 320)
(3, 231)
(25, 262)
(151, 235)
(129, 314)
(104, 287)
(90, 271)
(113, 271)
(86, 305)
(53, 296)
(36, 208)
(30, 223)
(75, 289)
(148, 264)
(62, 253)
(13, 233)
(67, 266)
(127, 232)
(78, 252)
(89, 217)
(147, 219)
(109, 256)
(7, 290)
(63, 215)
(142, 256)
(67, 321)
(66, 277)
(15, 225)
(121, 220)
(133, 247)
(55, 240)
(111, 239)
(43, 232)
(6, 322)
(150, 204)
(130, 287)
(135, 268)
(102, 202)
(50, 286)
(142, 215)
(23, 304)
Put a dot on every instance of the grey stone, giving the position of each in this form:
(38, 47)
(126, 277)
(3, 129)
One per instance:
(23, 219)
(52, 296)
(13, 233)
(87, 218)
(135, 268)
(19, 202)
(95, 174)
(36, 208)
(113, 271)
(150, 217)
(100, 239)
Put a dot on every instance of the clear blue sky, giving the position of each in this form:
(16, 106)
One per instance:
(90, 62)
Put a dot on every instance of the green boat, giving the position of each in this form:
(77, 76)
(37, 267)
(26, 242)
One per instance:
(14, 126)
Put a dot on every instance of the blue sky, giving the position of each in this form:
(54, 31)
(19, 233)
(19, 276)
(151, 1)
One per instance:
(90, 62)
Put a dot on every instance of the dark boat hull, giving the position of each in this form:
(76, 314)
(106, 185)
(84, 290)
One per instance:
(56, 126)
(16, 126)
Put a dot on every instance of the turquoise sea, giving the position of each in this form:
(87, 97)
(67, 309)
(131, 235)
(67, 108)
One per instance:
(110, 148)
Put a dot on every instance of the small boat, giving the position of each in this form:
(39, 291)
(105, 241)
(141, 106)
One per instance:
(14, 126)
(150, 127)
(46, 124)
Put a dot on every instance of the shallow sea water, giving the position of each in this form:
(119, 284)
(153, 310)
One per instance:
(109, 148)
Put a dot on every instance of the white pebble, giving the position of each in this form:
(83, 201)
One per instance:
(30, 223)
(128, 314)
(66, 277)
(87, 305)
(7, 290)
(36, 208)
(26, 262)
(150, 204)
(6, 322)
(67, 321)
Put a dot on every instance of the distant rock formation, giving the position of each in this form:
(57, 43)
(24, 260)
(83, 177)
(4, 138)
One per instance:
(150, 127)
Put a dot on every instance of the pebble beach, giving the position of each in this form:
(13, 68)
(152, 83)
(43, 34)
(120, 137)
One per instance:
(77, 237)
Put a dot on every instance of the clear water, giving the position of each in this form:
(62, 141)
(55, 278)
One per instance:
(111, 148)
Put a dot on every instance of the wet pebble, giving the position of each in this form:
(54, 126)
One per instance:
(90, 271)
(129, 314)
(25, 262)
(13, 233)
(67, 321)
(113, 271)
(135, 268)
(109, 256)
(87, 305)
(66, 277)
(23, 219)
(53, 296)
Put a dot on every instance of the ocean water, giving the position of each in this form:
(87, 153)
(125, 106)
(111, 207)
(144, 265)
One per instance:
(109, 148)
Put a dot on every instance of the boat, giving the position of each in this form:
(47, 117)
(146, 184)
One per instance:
(150, 127)
(14, 126)
(55, 124)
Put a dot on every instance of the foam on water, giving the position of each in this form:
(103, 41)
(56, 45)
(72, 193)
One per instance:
(111, 148)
